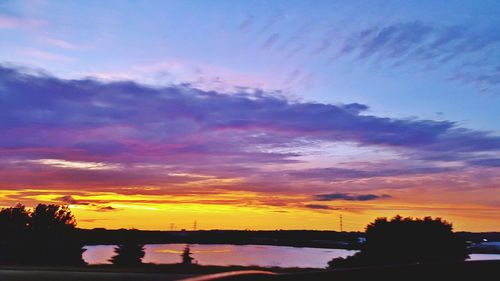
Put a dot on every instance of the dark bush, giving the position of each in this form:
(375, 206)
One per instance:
(407, 240)
(128, 254)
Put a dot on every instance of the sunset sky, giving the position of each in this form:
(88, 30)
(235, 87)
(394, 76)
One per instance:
(252, 114)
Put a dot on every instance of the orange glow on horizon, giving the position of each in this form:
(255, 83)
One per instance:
(245, 210)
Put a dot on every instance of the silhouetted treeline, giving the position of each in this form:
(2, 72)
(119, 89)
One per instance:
(298, 238)
(45, 235)
(407, 240)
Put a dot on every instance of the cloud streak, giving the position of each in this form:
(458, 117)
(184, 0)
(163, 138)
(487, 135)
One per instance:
(464, 52)
(350, 197)
(320, 207)
(9, 21)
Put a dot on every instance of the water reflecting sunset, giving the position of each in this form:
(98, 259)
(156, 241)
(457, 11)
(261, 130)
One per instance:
(224, 254)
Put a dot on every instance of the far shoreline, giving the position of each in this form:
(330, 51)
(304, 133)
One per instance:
(287, 238)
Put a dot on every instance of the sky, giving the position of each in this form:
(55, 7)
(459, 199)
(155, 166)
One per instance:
(252, 114)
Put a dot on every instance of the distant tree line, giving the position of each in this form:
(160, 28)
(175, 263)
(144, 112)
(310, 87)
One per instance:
(44, 235)
(296, 238)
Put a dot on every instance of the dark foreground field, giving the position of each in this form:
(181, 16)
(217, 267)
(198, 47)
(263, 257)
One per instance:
(147, 272)
(473, 270)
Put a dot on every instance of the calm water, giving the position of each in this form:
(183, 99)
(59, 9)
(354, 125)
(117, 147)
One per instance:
(224, 254)
(481, 257)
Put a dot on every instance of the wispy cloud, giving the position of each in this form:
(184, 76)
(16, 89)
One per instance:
(246, 23)
(60, 43)
(199, 75)
(457, 49)
(270, 41)
(59, 163)
(44, 55)
(8, 21)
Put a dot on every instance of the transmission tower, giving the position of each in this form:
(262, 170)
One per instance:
(341, 229)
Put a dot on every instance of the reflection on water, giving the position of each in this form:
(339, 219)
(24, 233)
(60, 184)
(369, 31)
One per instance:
(98, 254)
(482, 257)
(224, 254)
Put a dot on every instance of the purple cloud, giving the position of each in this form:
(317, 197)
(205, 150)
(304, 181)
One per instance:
(68, 199)
(56, 131)
(349, 197)
(319, 207)
(333, 174)
(486, 162)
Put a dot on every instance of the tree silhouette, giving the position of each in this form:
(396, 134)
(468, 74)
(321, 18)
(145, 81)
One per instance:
(128, 254)
(406, 240)
(187, 259)
(45, 235)
(52, 219)
(53, 228)
(14, 226)
(14, 220)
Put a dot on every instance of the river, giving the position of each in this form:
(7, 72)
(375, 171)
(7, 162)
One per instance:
(245, 255)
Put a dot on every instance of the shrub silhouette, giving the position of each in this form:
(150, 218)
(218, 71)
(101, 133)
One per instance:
(45, 235)
(406, 240)
(187, 259)
(128, 254)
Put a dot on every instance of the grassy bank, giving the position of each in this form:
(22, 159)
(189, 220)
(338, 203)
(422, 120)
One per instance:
(444, 271)
(146, 272)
